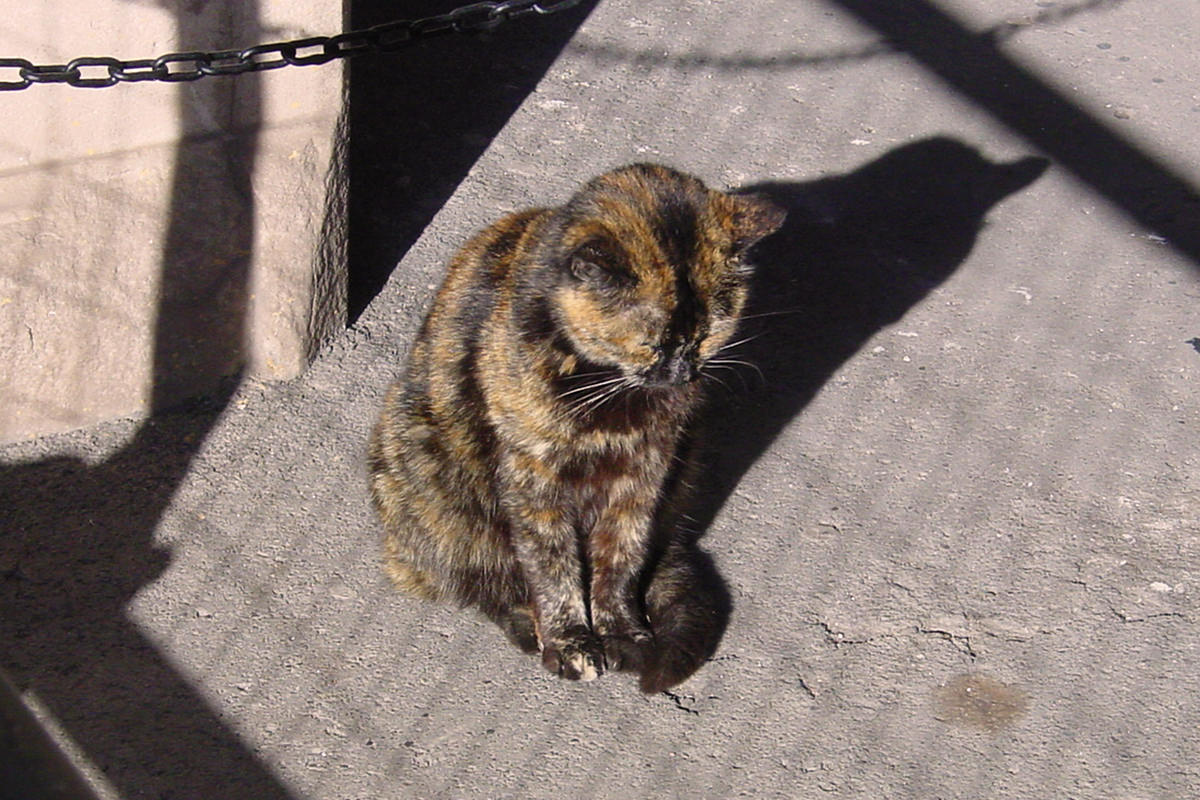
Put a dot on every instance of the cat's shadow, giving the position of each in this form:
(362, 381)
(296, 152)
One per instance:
(855, 253)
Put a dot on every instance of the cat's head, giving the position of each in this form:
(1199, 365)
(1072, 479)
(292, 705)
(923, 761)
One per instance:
(652, 272)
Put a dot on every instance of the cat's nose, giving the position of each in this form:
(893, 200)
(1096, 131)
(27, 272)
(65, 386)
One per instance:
(675, 367)
(681, 369)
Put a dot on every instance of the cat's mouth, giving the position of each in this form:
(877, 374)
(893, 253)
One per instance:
(588, 379)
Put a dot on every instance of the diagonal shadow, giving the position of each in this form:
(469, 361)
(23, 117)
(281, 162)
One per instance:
(854, 255)
(973, 64)
(609, 52)
(78, 540)
(421, 117)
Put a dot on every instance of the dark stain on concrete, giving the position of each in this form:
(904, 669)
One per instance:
(977, 701)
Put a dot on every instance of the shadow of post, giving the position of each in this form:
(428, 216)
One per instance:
(78, 540)
(975, 66)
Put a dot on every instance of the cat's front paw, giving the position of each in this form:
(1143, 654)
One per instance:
(576, 655)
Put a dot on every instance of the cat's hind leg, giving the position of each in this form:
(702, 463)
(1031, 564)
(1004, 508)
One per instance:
(407, 577)
(517, 623)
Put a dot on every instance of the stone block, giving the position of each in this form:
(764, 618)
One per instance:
(157, 238)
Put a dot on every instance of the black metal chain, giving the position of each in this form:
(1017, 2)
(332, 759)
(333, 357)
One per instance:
(103, 71)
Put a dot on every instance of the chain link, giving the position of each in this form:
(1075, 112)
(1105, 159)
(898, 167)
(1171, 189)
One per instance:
(95, 72)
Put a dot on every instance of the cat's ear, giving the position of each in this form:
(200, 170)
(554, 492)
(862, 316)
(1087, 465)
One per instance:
(601, 263)
(754, 217)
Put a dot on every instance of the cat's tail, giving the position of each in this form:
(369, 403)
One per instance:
(688, 607)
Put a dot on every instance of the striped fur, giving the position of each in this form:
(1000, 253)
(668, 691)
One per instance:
(521, 463)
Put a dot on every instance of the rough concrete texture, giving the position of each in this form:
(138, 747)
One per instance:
(162, 228)
(961, 528)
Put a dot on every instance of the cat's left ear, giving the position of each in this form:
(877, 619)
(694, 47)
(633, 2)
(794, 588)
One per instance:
(754, 217)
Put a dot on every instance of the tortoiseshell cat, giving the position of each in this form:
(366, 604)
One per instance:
(524, 465)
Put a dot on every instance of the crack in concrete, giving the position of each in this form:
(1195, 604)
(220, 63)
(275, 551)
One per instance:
(678, 700)
(726, 657)
(961, 642)
(1129, 618)
(837, 638)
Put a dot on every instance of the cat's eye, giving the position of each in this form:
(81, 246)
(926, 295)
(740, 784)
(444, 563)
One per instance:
(740, 266)
(599, 267)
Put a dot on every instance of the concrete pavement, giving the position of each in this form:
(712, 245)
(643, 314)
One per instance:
(957, 512)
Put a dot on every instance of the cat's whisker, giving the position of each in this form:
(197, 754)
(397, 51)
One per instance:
(774, 313)
(742, 378)
(591, 404)
(610, 393)
(607, 373)
(737, 366)
(579, 405)
(743, 340)
(732, 363)
(710, 376)
(603, 387)
(592, 374)
(589, 389)
(605, 391)
(593, 385)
